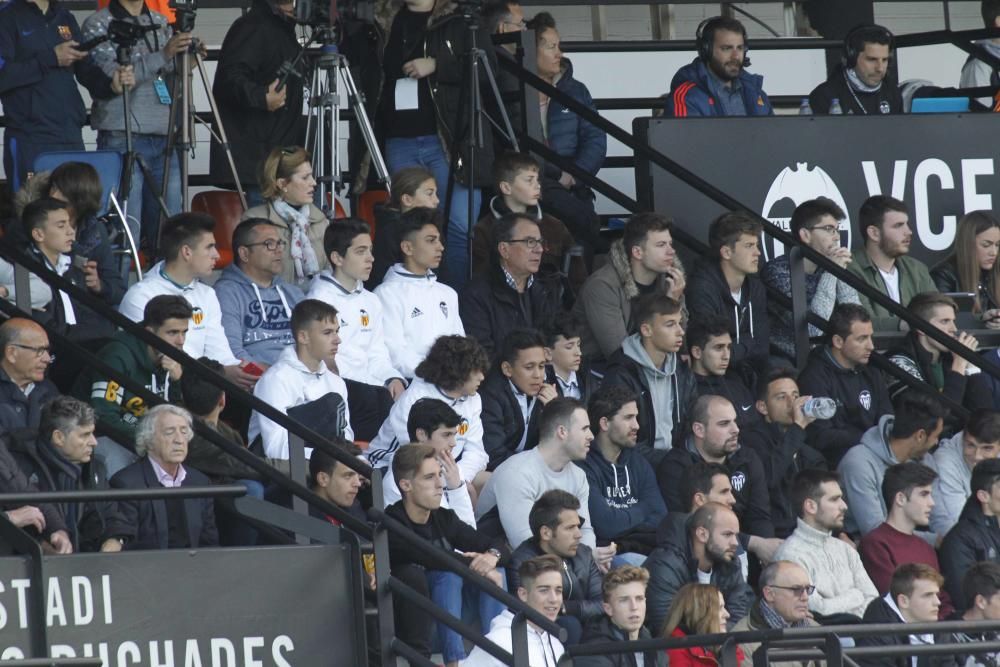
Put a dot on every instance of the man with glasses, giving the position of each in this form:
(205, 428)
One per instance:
(816, 223)
(512, 295)
(783, 603)
(23, 386)
(256, 302)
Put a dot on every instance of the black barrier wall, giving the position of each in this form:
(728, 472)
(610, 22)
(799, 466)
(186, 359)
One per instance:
(941, 165)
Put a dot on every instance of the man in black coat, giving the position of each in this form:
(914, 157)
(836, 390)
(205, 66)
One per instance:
(61, 459)
(43, 521)
(512, 295)
(976, 536)
(23, 387)
(513, 396)
(863, 83)
(162, 437)
(255, 115)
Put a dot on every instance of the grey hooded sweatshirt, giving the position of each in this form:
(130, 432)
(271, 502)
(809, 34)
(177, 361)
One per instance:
(662, 388)
(257, 319)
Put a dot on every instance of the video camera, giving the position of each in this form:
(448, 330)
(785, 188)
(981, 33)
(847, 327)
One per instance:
(185, 13)
(327, 13)
(122, 33)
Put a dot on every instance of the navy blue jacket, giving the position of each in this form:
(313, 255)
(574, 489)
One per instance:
(41, 99)
(571, 136)
(690, 93)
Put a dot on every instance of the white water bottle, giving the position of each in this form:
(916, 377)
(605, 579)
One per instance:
(820, 407)
(835, 109)
(804, 108)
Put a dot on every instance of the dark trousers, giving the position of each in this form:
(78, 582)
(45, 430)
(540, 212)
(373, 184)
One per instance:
(369, 406)
(413, 625)
(575, 208)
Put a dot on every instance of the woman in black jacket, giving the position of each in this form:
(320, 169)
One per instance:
(973, 267)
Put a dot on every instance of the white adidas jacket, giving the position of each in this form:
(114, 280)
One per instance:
(205, 336)
(286, 384)
(469, 452)
(418, 309)
(363, 355)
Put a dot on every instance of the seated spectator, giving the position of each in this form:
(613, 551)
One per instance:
(555, 530)
(908, 436)
(649, 364)
(625, 502)
(783, 603)
(416, 307)
(43, 521)
(452, 372)
(643, 262)
(510, 493)
(714, 438)
(61, 459)
(883, 262)
(977, 73)
(840, 370)
(256, 302)
(912, 598)
(929, 361)
(301, 380)
(699, 609)
(976, 536)
(433, 422)
(167, 317)
(842, 585)
(717, 83)
(704, 553)
(40, 292)
(517, 182)
(363, 355)
(541, 589)
(337, 483)
(412, 187)
(816, 223)
(973, 268)
(287, 185)
(575, 140)
(980, 585)
(954, 459)
(511, 296)
(624, 601)
(725, 284)
(418, 475)
(779, 441)
(514, 394)
(567, 371)
(23, 386)
(907, 492)
(863, 83)
(161, 439)
(710, 345)
(187, 244)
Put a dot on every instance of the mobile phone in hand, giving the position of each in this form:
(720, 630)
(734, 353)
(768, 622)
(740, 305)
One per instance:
(80, 261)
(253, 369)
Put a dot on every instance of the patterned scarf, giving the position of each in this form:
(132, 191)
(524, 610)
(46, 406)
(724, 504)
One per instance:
(303, 255)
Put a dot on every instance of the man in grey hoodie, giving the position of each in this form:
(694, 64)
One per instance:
(907, 436)
(256, 303)
(648, 364)
(954, 460)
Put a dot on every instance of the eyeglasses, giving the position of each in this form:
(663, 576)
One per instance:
(797, 591)
(530, 243)
(270, 244)
(829, 229)
(39, 351)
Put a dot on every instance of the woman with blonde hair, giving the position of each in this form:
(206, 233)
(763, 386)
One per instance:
(697, 609)
(973, 267)
(287, 183)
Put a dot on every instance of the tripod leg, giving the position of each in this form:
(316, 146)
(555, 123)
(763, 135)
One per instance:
(507, 128)
(223, 139)
(364, 124)
(171, 146)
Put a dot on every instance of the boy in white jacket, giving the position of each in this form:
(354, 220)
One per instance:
(363, 355)
(301, 376)
(417, 308)
(542, 589)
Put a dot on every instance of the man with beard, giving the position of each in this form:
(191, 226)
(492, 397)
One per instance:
(884, 225)
(716, 83)
(862, 82)
(843, 588)
(705, 553)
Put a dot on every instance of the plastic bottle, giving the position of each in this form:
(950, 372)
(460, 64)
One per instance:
(820, 407)
(804, 108)
(835, 109)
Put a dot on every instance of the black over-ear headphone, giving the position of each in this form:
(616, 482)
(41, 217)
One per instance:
(705, 36)
(857, 37)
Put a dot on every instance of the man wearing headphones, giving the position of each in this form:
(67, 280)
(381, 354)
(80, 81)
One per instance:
(861, 82)
(717, 83)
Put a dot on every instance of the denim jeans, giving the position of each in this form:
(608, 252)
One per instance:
(629, 558)
(448, 593)
(427, 152)
(142, 201)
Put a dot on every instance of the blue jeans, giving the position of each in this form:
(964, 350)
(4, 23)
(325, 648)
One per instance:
(629, 558)
(448, 593)
(427, 152)
(150, 149)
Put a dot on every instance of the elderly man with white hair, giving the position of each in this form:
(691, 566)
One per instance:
(161, 439)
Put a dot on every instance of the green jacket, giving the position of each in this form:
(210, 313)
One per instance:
(118, 410)
(914, 278)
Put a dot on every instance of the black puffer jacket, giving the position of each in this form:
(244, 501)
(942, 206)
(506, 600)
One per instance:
(581, 579)
(503, 425)
(602, 630)
(975, 538)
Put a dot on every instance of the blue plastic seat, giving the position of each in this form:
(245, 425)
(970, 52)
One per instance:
(107, 163)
